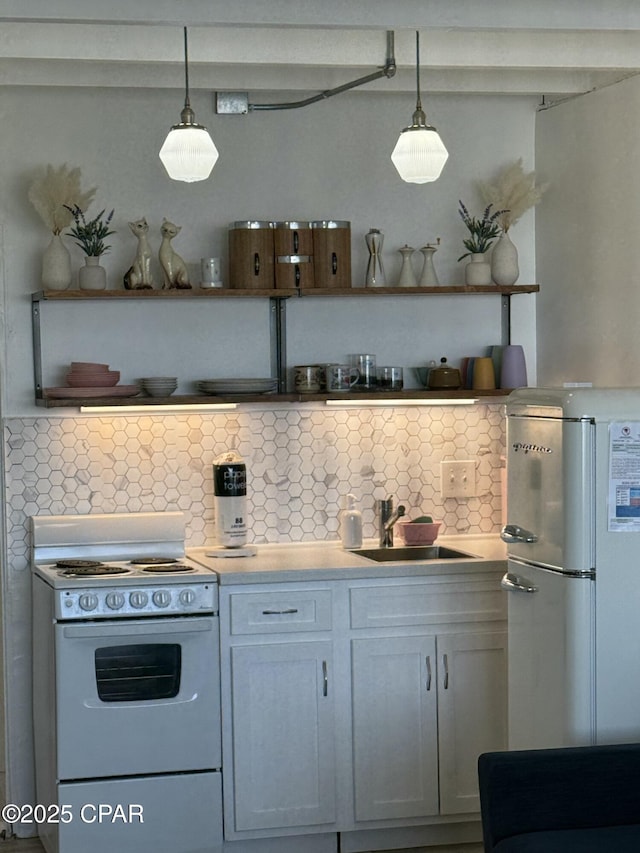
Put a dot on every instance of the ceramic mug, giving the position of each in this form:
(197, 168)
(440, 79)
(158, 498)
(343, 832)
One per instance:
(513, 373)
(341, 377)
(390, 379)
(307, 378)
(484, 378)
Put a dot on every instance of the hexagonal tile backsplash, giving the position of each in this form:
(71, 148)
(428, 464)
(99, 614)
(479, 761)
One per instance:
(301, 461)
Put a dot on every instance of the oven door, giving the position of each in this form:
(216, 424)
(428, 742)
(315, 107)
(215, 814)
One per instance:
(139, 696)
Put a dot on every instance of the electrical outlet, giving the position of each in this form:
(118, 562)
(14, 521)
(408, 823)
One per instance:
(458, 479)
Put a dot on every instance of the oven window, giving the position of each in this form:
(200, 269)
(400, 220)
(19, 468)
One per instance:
(138, 673)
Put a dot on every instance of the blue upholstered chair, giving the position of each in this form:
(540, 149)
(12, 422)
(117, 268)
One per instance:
(571, 800)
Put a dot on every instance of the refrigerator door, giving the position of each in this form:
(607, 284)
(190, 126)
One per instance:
(550, 492)
(551, 657)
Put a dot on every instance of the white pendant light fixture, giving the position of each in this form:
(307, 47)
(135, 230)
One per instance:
(188, 153)
(419, 155)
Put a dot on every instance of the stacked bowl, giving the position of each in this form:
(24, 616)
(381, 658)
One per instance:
(159, 386)
(87, 374)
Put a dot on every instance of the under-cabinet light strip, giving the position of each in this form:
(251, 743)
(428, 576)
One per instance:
(149, 410)
(456, 401)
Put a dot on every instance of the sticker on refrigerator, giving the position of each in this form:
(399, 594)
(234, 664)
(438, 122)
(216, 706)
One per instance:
(624, 476)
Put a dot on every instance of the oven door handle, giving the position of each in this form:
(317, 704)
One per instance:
(141, 628)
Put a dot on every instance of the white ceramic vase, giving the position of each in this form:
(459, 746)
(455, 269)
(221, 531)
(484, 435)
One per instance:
(407, 275)
(56, 265)
(478, 270)
(504, 261)
(92, 276)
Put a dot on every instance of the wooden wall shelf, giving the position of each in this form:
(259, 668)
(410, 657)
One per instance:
(278, 293)
(277, 298)
(203, 400)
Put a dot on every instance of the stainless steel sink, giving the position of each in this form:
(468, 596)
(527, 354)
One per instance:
(412, 553)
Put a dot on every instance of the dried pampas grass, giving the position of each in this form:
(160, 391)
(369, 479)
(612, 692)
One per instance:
(54, 191)
(513, 193)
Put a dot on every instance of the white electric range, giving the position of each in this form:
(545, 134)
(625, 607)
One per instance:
(126, 686)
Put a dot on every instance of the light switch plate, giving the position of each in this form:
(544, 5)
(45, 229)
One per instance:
(458, 479)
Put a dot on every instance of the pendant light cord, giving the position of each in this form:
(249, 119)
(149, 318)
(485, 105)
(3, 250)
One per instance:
(418, 104)
(186, 70)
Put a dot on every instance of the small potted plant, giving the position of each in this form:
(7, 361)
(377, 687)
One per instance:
(53, 193)
(90, 236)
(515, 191)
(482, 234)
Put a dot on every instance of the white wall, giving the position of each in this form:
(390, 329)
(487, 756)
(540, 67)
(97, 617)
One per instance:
(587, 237)
(329, 160)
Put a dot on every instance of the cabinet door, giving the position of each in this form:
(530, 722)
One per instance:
(283, 741)
(395, 727)
(472, 712)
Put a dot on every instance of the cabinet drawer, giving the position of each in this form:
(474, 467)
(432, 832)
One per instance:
(430, 603)
(280, 612)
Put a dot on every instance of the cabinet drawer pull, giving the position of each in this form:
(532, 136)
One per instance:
(428, 662)
(286, 612)
(325, 679)
(445, 663)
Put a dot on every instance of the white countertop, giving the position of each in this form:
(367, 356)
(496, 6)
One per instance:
(328, 561)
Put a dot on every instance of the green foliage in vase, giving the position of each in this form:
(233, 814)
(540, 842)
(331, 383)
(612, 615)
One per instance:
(514, 191)
(90, 236)
(55, 192)
(483, 231)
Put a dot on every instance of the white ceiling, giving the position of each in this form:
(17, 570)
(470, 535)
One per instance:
(550, 48)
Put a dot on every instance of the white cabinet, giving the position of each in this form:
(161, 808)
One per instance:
(424, 708)
(361, 706)
(395, 727)
(472, 712)
(278, 709)
(429, 692)
(283, 743)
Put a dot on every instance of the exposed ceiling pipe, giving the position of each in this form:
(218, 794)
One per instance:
(234, 103)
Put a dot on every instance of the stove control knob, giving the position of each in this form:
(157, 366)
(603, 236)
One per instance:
(115, 600)
(88, 601)
(138, 599)
(161, 598)
(187, 597)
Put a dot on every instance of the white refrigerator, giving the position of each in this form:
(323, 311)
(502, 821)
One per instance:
(573, 579)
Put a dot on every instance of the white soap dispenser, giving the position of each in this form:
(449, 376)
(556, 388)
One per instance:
(350, 524)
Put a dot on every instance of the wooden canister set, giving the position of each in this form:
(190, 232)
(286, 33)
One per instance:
(289, 255)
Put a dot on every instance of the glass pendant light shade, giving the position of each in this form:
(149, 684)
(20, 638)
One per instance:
(188, 153)
(420, 154)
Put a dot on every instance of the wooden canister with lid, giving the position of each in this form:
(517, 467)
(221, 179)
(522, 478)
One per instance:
(251, 255)
(293, 244)
(332, 253)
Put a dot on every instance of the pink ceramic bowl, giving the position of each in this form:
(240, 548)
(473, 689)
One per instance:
(84, 379)
(88, 366)
(419, 533)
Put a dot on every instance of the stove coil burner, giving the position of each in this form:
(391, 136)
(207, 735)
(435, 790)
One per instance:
(87, 568)
(157, 565)
(78, 564)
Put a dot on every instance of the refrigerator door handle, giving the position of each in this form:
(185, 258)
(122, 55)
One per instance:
(516, 583)
(512, 533)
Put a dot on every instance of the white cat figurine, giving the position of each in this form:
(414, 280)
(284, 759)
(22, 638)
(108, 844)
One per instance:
(138, 276)
(174, 268)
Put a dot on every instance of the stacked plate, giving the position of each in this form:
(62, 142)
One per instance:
(159, 386)
(223, 387)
